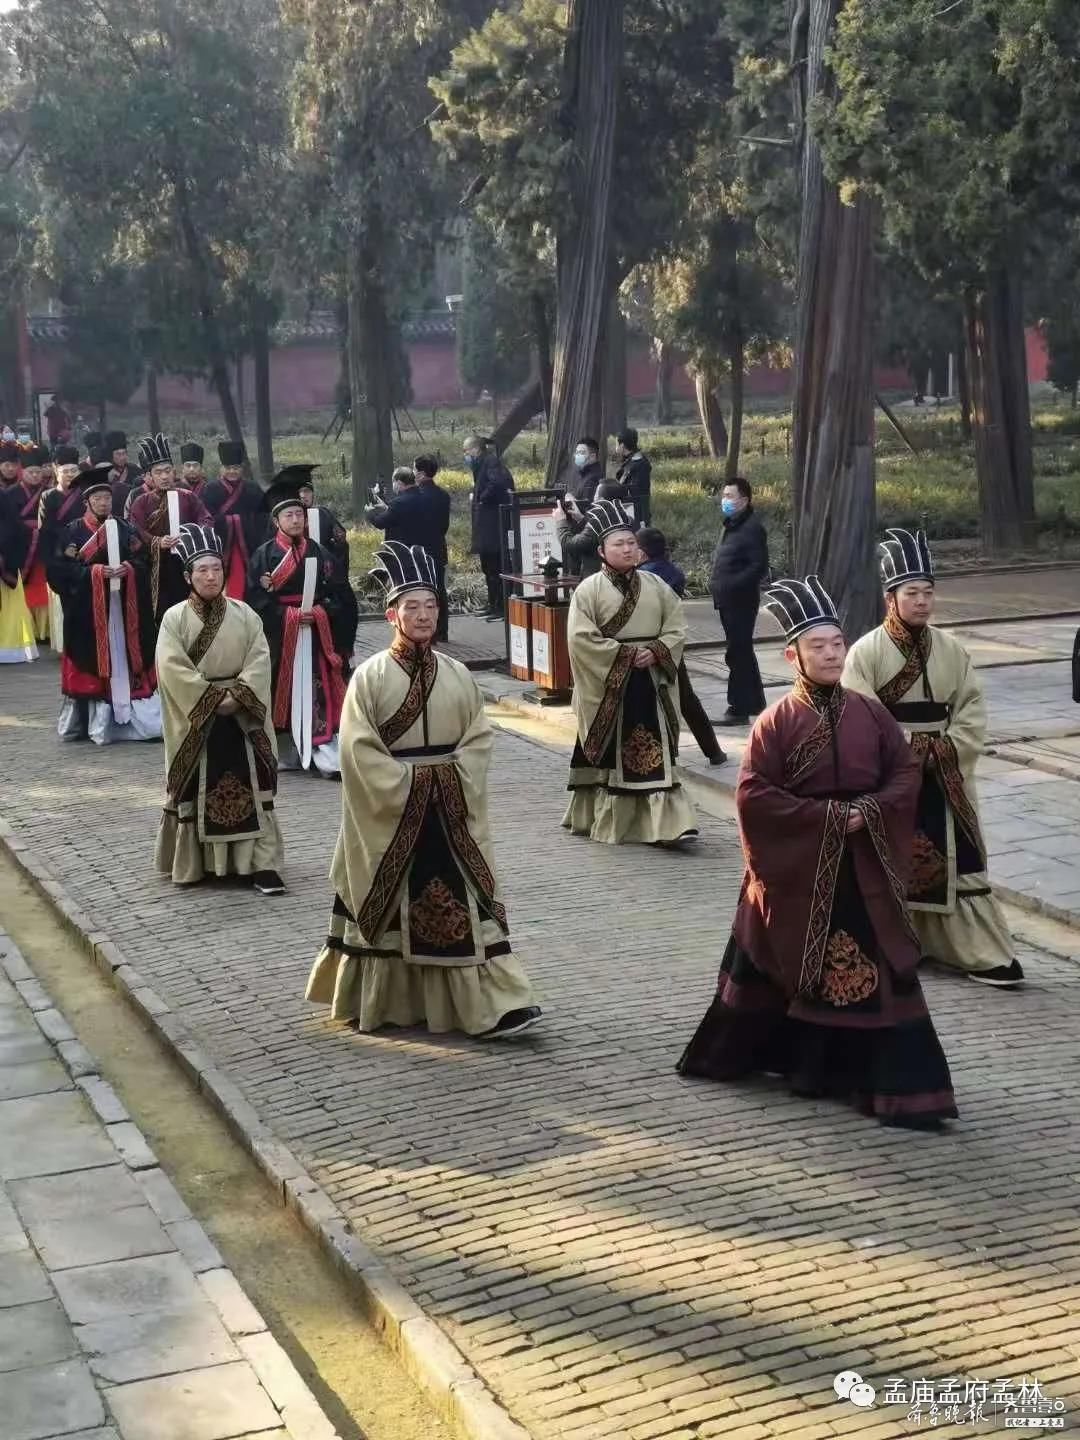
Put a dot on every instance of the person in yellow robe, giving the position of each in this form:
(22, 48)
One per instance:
(926, 680)
(626, 632)
(213, 673)
(418, 932)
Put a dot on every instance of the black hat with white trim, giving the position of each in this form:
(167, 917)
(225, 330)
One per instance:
(286, 485)
(95, 478)
(607, 516)
(196, 541)
(799, 605)
(154, 450)
(905, 556)
(400, 568)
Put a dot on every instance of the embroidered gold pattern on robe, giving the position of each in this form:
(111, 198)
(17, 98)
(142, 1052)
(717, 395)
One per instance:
(929, 868)
(642, 752)
(847, 976)
(437, 918)
(229, 802)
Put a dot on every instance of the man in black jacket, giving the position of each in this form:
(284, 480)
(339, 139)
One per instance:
(408, 517)
(425, 468)
(635, 473)
(492, 484)
(740, 564)
(588, 470)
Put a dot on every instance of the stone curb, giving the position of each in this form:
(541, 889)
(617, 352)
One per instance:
(1033, 904)
(426, 1352)
(300, 1412)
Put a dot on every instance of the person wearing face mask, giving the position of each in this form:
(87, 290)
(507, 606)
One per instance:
(739, 566)
(588, 471)
(492, 484)
(926, 680)
(819, 981)
(418, 933)
(625, 632)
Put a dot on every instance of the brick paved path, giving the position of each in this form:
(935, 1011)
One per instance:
(621, 1253)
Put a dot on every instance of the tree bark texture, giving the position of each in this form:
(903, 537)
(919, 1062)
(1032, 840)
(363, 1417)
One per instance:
(264, 429)
(369, 375)
(215, 348)
(615, 368)
(542, 335)
(1000, 411)
(665, 364)
(707, 393)
(592, 69)
(834, 507)
(963, 384)
(153, 405)
(737, 363)
(529, 403)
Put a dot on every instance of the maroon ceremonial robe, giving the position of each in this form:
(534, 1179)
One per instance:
(150, 517)
(819, 979)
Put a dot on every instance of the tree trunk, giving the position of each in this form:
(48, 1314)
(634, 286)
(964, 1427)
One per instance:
(215, 348)
(542, 336)
(238, 372)
(264, 431)
(833, 507)
(706, 389)
(591, 75)
(615, 362)
(529, 403)
(102, 416)
(737, 361)
(665, 364)
(963, 385)
(369, 373)
(153, 407)
(1001, 411)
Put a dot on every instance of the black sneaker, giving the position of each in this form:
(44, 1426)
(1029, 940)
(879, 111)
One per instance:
(720, 758)
(268, 882)
(513, 1023)
(1005, 977)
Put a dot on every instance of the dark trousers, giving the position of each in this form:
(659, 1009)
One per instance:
(738, 614)
(693, 712)
(491, 565)
(442, 631)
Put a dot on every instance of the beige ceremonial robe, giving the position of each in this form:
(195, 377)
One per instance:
(624, 781)
(221, 770)
(418, 931)
(928, 683)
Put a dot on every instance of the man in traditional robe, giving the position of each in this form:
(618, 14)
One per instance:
(925, 679)
(418, 932)
(239, 515)
(106, 670)
(819, 982)
(27, 495)
(192, 473)
(11, 461)
(213, 669)
(626, 631)
(289, 582)
(16, 626)
(149, 514)
(59, 508)
(123, 476)
(327, 531)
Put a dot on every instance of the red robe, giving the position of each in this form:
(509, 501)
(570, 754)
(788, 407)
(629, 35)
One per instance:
(819, 981)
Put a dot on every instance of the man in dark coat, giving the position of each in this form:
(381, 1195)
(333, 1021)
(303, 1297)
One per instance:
(740, 564)
(635, 473)
(588, 470)
(425, 468)
(492, 485)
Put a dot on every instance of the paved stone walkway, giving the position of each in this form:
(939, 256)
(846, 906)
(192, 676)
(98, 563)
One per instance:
(118, 1319)
(619, 1252)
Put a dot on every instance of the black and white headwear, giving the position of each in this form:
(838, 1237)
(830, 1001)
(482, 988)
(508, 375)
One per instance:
(799, 605)
(95, 478)
(607, 516)
(284, 489)
(154, 450)
(400, 568)
(905, 556)
(196, 541)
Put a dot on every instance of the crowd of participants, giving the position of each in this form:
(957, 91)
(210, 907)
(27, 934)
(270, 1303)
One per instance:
(219, 617)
